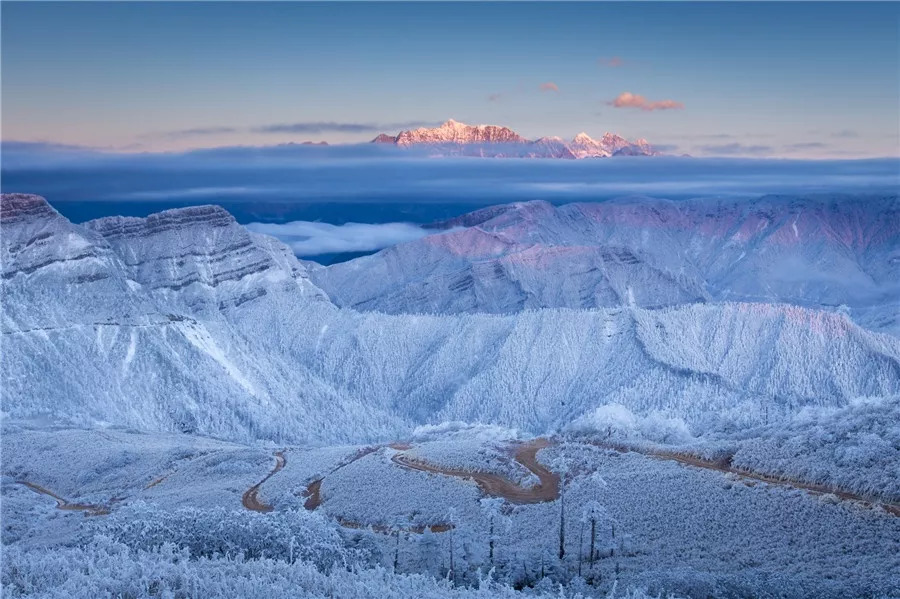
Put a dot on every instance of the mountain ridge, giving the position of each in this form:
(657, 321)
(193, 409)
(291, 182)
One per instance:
(455, 138)
(165, 327)
(821, 251)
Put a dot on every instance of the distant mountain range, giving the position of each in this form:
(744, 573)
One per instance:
(460, 139)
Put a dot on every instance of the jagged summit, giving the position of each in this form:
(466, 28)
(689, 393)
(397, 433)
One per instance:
(456, 138)
(455, 132)
(384, 138)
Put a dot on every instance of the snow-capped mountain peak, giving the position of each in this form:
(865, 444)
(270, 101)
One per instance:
(459, 133)
(456, 138)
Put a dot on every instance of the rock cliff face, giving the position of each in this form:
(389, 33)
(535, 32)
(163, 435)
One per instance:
(454, 138)
(203, 251)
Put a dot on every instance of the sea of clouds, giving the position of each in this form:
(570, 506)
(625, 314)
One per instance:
(359, 198)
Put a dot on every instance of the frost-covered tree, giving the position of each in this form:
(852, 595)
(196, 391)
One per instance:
(491, 507)
(594, 515)
(452, 522)
(562, 467)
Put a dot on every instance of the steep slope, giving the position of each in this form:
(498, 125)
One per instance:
(817, 251)
(126, 321)
(211, 353)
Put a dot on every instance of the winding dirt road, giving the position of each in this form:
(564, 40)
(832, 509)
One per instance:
(89, 509)
(314, 498)
(313, 489)
(750, 475)
(495, 485)
(250, 499)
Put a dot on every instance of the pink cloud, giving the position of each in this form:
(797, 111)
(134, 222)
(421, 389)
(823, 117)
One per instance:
(630, 100)
(612, 61)
(494, 97)
(549, 87)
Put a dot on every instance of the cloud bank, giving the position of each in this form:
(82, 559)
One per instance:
(304, 127)
(736, 149)
(379, 183)
(315, 238)
(630, 100)
(316, 127)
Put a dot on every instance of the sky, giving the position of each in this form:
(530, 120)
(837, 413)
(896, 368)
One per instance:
(796, 80)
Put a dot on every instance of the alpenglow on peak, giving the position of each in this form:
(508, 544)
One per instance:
(454, 138)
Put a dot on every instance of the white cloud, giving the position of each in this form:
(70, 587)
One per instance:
(314, 238)
(196, 192)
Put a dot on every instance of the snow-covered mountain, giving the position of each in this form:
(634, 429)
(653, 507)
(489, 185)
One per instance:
(830, 252)
(455, 138)
(186, 321)
(455, 132)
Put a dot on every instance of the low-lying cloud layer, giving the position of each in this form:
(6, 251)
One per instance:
(379, 183)
(305, 127)
(314, 238)
(737, 149)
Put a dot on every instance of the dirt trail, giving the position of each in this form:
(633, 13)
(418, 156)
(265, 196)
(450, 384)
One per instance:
(498, 486)
(314, 498)
(387, 530)
(750, 475)
(313, 489)
(89, 509)
(250, 499)
(156, 481)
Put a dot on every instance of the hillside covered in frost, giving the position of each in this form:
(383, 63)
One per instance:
(185, 321)
(820, 251)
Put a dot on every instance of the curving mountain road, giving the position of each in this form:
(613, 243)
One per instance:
(495, 485)
(89, 509)
(726, 467)
(498, 486)
(250, 499)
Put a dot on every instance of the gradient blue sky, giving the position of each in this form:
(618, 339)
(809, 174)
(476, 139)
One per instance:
(768, 79)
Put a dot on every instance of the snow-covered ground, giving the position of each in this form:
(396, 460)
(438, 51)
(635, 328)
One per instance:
(658, 524)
